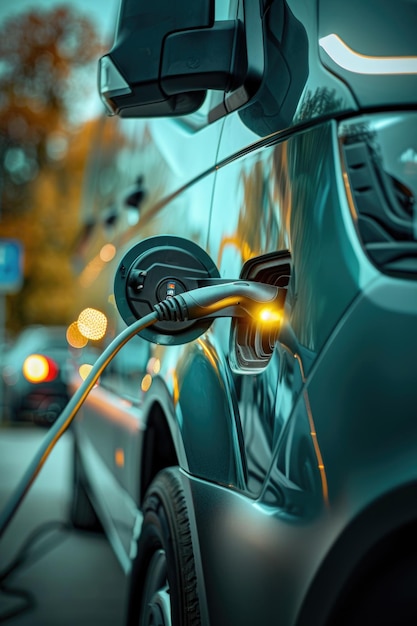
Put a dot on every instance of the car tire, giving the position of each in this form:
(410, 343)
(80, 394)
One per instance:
(82, 513)
(163, 583)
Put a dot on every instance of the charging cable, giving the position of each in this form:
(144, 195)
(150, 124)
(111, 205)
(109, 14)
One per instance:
(66, 417)
(234, 299)
(49, 535)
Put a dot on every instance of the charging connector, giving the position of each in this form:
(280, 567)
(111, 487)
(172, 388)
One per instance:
(232, 299)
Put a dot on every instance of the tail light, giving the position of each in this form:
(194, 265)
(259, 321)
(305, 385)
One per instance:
(38, 368)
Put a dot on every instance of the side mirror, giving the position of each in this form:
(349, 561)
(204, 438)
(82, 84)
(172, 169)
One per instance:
(167, 55)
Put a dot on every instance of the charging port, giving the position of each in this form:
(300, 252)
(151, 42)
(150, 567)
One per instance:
(252, 341)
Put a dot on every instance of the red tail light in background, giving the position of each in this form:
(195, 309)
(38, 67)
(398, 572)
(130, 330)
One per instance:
(38, 368)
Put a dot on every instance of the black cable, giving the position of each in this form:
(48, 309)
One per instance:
(26, 556)
(24, 553)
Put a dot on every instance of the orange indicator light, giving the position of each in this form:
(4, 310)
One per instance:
(119, 457)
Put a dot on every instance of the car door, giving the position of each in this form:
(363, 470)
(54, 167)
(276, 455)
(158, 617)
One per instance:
(249, 223)
(277, 206)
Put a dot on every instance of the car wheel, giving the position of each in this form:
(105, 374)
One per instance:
(163, 584)
(82, 513)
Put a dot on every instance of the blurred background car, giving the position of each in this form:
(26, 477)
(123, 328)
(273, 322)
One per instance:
(35, 374)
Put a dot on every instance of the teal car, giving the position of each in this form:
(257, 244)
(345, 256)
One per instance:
(258, 473)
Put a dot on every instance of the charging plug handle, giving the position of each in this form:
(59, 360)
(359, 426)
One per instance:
(232, 299)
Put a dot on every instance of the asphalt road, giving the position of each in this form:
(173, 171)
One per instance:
(70, 577)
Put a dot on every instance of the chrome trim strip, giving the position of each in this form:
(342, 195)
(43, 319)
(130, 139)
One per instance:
(353, 61)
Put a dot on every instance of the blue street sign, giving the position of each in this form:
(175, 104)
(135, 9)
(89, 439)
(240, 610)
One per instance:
(11, 265)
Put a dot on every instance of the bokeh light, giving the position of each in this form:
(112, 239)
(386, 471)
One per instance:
(154, 365)
(84, 370)
(107, 252)
(146, 382)
(92, 324)
(74, 336)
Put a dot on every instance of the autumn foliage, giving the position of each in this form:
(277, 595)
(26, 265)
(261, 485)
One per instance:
(47, 71)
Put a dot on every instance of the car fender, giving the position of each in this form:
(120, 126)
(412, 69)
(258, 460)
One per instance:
(196, 396)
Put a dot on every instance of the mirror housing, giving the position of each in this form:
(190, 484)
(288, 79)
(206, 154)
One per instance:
(166, 56)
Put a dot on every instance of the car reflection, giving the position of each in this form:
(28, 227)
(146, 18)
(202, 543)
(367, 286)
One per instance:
(34, 375)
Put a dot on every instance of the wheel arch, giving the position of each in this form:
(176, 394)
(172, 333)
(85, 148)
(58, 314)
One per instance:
(159, 451)
(366, 574)
(193, 423)
(382, 587)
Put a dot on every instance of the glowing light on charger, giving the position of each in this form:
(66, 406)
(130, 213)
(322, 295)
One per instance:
(270, 316)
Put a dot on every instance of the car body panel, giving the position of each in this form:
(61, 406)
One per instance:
(311, 460)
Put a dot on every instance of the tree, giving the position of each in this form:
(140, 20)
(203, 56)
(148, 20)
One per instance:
(45, 57)
(48, 63)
